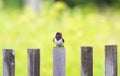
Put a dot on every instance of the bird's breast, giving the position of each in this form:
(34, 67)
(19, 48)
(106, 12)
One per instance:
(58, 42)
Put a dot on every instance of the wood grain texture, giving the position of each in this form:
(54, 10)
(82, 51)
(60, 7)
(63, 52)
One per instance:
(111, 60)
(8, 62)
(33, 62)
(59, 62)
(86, 61)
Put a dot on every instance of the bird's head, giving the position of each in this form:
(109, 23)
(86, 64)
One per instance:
(58, 35)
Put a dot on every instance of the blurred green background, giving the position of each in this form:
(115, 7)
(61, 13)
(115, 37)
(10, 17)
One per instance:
(83, 23)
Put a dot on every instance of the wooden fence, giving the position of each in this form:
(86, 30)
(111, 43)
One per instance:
(59, 61)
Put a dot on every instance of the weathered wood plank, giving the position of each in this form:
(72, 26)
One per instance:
(34, 5)
(86, 61)
(8, 62)
(111, 60)
(34, 62)
(59, 62)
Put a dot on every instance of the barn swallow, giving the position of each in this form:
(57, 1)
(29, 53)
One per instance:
(58, 40)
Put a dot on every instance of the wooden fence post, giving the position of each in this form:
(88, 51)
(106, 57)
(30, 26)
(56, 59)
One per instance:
(34, 62)
(86, 61)
(59, 62)
(111, 60)
(8, 62)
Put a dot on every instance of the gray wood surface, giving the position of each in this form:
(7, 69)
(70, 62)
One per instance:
(86, 61)
(59, 62)
(34, 5)
(111, 60)
(33, 62)
(8, 62)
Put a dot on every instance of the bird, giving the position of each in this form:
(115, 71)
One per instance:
(58, 40)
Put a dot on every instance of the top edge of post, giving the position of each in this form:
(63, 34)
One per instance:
(33, 49)
(87, 46)
(58, 47)
(7, 49)
(110, 45)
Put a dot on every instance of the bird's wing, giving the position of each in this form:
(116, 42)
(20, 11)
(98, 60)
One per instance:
(54, 40)
(63, 40)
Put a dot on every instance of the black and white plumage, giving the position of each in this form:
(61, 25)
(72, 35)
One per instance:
(58, 40)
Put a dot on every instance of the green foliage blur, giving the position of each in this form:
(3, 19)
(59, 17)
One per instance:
(12, 4)
(98, 3)
(81, 26)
